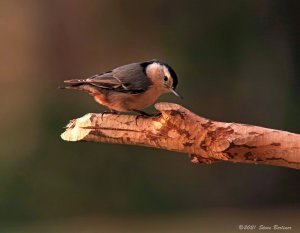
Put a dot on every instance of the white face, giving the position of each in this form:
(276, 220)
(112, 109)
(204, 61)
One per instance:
(160, 76)
(168, 80)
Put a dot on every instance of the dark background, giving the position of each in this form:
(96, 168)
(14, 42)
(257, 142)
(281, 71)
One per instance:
(237, 61)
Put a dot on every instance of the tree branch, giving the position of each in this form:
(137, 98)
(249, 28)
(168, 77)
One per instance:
(178, 129)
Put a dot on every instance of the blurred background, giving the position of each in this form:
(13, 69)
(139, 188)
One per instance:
(237, 61)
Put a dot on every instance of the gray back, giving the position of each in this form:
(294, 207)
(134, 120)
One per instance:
(128, 78)
(133, 76)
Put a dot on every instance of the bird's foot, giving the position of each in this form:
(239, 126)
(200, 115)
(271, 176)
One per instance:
(142, 113)
(108, 112)
(145, 114)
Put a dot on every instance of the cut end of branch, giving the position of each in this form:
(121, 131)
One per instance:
(78, 129)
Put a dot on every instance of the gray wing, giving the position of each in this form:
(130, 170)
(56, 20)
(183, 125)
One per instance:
(129, 78)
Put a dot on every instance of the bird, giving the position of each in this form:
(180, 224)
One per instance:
(129, 88)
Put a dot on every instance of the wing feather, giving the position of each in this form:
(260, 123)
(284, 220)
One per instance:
(129, 78)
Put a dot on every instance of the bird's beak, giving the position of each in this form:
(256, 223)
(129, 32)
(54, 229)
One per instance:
(176, 93)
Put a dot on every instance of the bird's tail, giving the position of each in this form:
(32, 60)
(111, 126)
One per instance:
(79, 84)
(73, 84)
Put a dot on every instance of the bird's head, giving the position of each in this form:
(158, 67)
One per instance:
(162, 75)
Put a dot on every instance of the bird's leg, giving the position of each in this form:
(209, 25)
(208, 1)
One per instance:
(110, 111)
(142, 113)
(155, 114)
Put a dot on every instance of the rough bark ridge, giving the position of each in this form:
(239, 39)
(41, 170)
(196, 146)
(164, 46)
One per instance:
(178, 129)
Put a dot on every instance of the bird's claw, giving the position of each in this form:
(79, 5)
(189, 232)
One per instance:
(108, 112)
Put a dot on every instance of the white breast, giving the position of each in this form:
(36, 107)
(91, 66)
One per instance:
(124, 102)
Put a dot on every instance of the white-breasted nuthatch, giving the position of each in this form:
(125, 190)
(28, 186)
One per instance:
(130, 87)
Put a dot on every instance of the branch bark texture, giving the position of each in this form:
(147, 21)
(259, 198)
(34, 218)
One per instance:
(178, 129)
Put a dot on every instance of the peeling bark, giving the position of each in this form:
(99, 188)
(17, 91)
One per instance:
(178, 129)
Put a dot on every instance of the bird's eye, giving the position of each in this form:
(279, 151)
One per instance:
(165, 78)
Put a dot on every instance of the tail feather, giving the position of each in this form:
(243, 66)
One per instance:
(81, 85)
(82, 81)
(73, 84)
(70, 84)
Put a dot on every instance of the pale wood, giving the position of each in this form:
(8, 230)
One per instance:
(178, 129)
